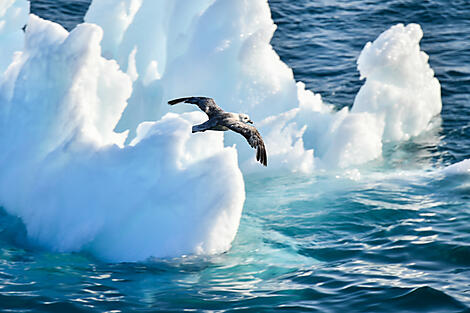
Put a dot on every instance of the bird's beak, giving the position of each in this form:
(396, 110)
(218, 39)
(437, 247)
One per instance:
(250, 121)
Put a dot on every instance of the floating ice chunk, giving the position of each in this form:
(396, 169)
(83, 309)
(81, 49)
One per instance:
(460, 168)
(399, 100)
(13, 16)
(75, 185)
(400, 85)
(455, 178)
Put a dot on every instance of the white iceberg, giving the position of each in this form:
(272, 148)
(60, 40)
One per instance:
(459, 168)
(401, 88)
(67, 175)
(222, 49)
(13, 16)
(78, 184)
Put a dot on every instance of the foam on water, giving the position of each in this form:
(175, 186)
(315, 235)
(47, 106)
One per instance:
(77, 184)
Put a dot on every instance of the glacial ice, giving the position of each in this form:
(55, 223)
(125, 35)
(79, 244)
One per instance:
(401, 88)
(94, 159)
(67, 175)
(460, 168)
(222, 49)
(13, 15)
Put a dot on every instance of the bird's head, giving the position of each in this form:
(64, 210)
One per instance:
(245, 118)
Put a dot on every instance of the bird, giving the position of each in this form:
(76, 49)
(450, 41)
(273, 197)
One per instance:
(219, 120)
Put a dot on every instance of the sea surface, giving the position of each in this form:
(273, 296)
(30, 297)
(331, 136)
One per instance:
(396, 240)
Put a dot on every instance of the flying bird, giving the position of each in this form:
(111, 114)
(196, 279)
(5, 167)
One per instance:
(222, 121)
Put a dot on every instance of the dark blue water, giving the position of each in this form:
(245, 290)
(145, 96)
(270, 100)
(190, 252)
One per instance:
(396, 241)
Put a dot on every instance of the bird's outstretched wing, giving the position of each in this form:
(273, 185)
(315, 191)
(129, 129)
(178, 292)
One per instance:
(207, 105)
(252, 136)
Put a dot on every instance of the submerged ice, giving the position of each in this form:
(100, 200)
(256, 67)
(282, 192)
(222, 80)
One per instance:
(92, 159)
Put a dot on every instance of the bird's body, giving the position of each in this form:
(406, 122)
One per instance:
(219, 120)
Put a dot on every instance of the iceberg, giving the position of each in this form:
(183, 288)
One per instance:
(460, 168)
(401, 88)
(13, 16)
(93, 159)
(222, 49)
(75, 185)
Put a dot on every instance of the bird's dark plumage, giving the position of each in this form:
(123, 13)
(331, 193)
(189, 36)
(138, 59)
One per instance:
(207, 105)
(253, 137)
(221, 120)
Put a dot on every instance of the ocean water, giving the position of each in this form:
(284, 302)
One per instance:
(395, 240)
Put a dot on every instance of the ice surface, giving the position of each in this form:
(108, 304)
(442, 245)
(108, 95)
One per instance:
(79, 185)
(68, 176)
(460, 168)
(400, 88)
(13, 16)
(222, 49)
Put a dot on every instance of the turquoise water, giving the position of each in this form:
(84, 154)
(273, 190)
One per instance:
(395, 240)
